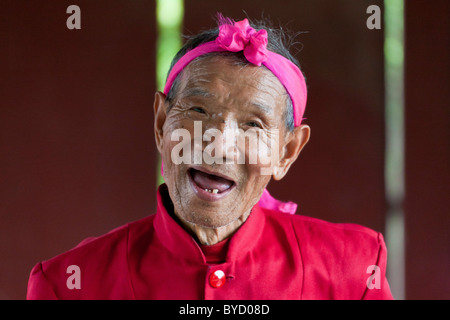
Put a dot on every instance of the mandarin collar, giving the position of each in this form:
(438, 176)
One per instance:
(179, 242)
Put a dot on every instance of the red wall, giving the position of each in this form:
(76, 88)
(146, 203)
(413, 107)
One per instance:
(77, 155)
(427, 100)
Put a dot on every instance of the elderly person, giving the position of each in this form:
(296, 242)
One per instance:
(217, 232)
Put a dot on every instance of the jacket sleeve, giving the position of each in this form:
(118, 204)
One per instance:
(39, 288)
(377, 286)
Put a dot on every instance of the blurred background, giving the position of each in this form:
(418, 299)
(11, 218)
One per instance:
(77, 152)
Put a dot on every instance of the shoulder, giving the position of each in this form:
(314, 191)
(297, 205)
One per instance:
(344, 245)
(102, 257)
(106, 244)
(98, 246)
(313, 231)
(337, 258)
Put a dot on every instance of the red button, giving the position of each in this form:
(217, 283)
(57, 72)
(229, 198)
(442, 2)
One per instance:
(217, 279)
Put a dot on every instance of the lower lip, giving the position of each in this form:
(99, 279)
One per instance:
(208, 196)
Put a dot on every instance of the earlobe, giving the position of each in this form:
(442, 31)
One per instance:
(275, 174)
(292, 148)
(278, 173)
(159, 109)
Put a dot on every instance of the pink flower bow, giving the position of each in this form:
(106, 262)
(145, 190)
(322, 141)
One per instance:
(242, 37)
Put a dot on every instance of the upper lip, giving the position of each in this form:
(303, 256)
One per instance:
(221, 175)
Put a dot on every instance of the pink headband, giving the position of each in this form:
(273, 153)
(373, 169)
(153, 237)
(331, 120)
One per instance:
(240, 36)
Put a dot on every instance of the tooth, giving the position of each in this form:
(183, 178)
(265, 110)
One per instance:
(215, 191)
(206, 190)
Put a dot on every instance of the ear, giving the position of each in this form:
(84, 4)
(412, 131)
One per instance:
(294, 143)
(159, 109)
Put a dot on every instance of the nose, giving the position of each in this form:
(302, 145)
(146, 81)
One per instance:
(220, 142)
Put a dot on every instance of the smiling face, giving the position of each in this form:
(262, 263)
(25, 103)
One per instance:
(223, 97)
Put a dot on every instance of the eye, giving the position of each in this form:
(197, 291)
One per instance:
(198, 109)
(254, 124)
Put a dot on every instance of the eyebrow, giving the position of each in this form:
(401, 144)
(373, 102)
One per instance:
(199, 92)
(266, 109)
(196, 92)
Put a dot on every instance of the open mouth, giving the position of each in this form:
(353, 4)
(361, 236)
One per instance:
(209, 186)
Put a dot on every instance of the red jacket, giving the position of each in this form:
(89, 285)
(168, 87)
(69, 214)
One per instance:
(273, 255)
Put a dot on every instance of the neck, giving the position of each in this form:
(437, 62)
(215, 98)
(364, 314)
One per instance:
(211, 235)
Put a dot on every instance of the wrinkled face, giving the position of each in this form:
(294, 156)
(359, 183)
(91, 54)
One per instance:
(214, 188)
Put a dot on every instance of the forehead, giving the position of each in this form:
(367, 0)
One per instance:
(225, 76)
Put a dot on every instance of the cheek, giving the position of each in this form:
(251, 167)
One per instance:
(262, 154)
(176, 141)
